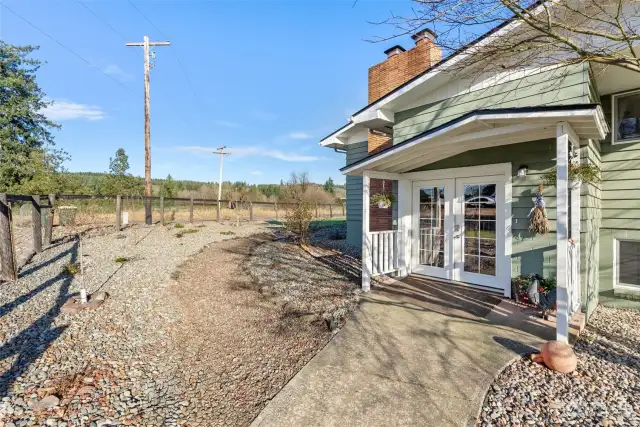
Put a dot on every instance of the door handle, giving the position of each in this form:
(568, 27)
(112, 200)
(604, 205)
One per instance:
(457, 231)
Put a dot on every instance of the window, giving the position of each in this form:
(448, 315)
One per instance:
(626, 117)
(627, 264)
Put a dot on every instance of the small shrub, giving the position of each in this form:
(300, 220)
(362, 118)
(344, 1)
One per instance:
(71, 269)
(201, 225)
(298, 218)
(121, 259)
(179, 225)
(227, 233)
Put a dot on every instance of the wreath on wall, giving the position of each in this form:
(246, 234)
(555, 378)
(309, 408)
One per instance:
(538, 222)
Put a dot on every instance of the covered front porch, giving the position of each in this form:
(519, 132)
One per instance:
(456, 223)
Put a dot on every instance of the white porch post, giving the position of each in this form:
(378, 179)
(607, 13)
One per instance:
(404, 226)
(562, 232)
(575, 236)
(366, 237)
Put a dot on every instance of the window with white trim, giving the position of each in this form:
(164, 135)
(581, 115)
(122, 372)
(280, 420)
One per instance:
(627, 263)
(625, 117)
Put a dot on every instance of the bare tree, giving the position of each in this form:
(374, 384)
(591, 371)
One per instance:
(540, 33)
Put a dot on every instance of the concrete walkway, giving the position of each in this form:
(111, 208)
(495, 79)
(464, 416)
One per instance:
(415, 353)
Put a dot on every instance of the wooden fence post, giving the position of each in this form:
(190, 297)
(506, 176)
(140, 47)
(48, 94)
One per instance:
(317, 210)
(218, 212)
(191, 210)
(161, 210)
(118, 213)
(276, 207)
(48, 227)
(36, 223)
(7, 259)
(330, 211)
(250, 211)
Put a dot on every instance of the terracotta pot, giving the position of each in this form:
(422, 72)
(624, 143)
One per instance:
(558, 356)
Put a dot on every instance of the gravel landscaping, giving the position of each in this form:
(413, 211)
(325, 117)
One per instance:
(105, 365)
(192, 333)
(603, 391)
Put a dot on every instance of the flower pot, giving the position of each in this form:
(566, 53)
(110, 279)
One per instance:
(383, 205)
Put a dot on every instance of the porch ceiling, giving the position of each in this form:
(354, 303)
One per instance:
(482, 129)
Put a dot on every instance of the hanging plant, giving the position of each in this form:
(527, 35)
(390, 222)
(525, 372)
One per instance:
(578, 173)
(383, 200)
(538, 223)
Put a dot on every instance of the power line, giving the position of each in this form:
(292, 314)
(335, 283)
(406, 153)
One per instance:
(89, 63)
(102, 20)
(175, 53)
(170, 99)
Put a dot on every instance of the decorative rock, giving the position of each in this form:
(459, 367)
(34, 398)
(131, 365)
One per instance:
(46, 403)
(99, 296)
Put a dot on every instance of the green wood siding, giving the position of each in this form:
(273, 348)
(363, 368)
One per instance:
(620, 205)
(557, 87)
(590, 223)
(355, 152)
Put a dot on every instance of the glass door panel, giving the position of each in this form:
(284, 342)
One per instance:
(479, 215)
(433, 220)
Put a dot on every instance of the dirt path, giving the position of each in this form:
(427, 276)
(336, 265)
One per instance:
(237, 347)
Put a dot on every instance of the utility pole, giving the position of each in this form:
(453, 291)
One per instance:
(220, 151)
(147, 124)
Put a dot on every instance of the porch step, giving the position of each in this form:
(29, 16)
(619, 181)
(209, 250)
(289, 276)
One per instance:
(528, 319)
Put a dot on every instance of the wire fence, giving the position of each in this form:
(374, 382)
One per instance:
(29, 222)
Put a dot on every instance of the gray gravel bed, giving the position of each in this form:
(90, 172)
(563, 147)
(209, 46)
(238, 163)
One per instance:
(308, 286)
(104, 367)
(603, 391)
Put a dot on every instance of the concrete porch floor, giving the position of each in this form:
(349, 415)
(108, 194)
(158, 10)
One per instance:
(416, 352)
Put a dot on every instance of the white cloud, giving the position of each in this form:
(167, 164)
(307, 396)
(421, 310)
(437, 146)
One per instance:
(300, 135)
(226, 124)
(118, 73)
(251, 151)
(263, 116)
(256, 172)
(67, 110)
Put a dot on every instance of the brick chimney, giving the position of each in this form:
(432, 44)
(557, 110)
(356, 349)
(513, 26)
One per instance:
(400, 66)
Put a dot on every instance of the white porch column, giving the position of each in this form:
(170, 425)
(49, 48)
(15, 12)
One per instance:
(575, 236)
(562, 230)
(404, 227)
(366, 237)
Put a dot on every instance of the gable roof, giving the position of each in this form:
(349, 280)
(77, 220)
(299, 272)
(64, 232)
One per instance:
(433, 68)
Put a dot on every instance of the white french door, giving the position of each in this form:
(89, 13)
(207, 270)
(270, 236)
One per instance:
(459, 230)
(433, 225)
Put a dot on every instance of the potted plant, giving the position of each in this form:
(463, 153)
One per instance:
(578, 173)
(383, 200)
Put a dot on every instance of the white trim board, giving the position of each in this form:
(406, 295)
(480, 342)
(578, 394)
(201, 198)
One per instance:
(531, 122)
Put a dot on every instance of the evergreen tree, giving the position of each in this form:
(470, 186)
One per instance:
(329, 186)
(168, 187)
(120, 164)
(27, 157)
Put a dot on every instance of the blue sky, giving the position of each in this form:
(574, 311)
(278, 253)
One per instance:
(268, 79)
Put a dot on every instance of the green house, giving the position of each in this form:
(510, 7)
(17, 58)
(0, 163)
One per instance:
(463, 159)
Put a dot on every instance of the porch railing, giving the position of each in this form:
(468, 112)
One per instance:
(384, 251)
(573, 273)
